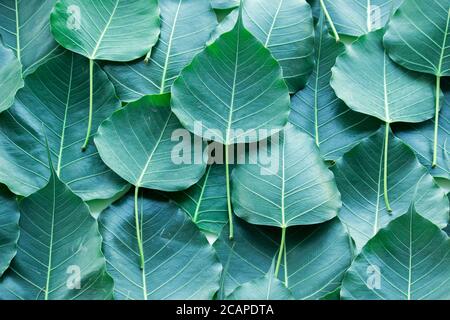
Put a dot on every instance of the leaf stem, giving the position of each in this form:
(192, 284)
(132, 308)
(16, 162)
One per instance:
(91, 94)
(281, 250)
(286, 280)
(138, 226)
(436, 120)
(230, 210)
(327, 14)
(385, 177)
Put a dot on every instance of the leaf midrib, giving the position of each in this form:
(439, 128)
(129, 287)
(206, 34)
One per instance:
(19, 56)
(100, 39)
(200, 199)
(269, 33)
(443, 47)
(50, 256)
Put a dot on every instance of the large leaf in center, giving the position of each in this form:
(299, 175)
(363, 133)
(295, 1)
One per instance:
(179, 261)
(116, 30)
(59, 253)
(233, 87)
(137, 143)
(9, 227)
(55, 99)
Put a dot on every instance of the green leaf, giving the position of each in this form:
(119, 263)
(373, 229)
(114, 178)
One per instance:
(317, 257)
(25, 28)
(316, 109)
(59, 242)
(224, 4)
(10, 77)
(296, 189)
(356, 17)
(359, 177)
(115, 30)
(55, 98)
(417, 36)
(234, 83)
(9, 231)
(185, 27)
(179, 262)
(137, 143)
(369, 82)
(409, 257)
(206, 201)
(285, 27)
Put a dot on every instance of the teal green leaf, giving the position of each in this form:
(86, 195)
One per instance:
(233, 84)
(369, 82)
(410, 258)
(9, 227)
(317, 111)
(115, 30)
(25, 28)
(179, 261)
(136, 143)
(59, 241)
(10, 75)
(297, 189)
(224, 4)
(185, 28)
(285, 27)
(55, 98)
(359, 177)
(417, 36)
(206, 201)
(317, 257)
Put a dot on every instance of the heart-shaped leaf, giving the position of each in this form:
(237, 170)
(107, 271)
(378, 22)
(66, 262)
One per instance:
(10, 75)
(185, 27)
(359, 177)
(55, 99)
(60, 240)
(317, 110)
(171, 242)
(25, 28)
(9, 231)
(405, 261)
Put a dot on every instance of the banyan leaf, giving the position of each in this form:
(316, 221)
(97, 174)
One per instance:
(369, 82)
(59, 253)
(233, 92)
(417, 37)
(317, 257)
(206, 201)
(224, 4)
(355, 17)
(285, 27)
(179, 261)
(316, 109)
(359, 177)
(185, 28)
(420, 138)
(53, 104)
(10, 77)
(25, 28)
(114, 30)
(9, 227)
(408, 260)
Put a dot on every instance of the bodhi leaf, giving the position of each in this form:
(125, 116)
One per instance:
(317, 111)
(9, 227)
(317, 257)
(356, 17)
(136, 142)
(410, 257)
(185, 28)
(25, 28)
(55, 98)
(369, 82)
(359, 177)
(179, 262)
(206, 201)
(285, 27)
(10, 77)
(114, 30)
(58, 237)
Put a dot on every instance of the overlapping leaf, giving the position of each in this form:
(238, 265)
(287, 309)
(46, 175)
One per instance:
(9, 227)
(179, 262)
(10, 77)
(185, 28)
(224, 4)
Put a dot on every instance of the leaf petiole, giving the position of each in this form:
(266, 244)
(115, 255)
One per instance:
(138, 227)
(230, 210)
(91, 94)
(385, 177)
(330, 21)
(281, 251)
(436, 120)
